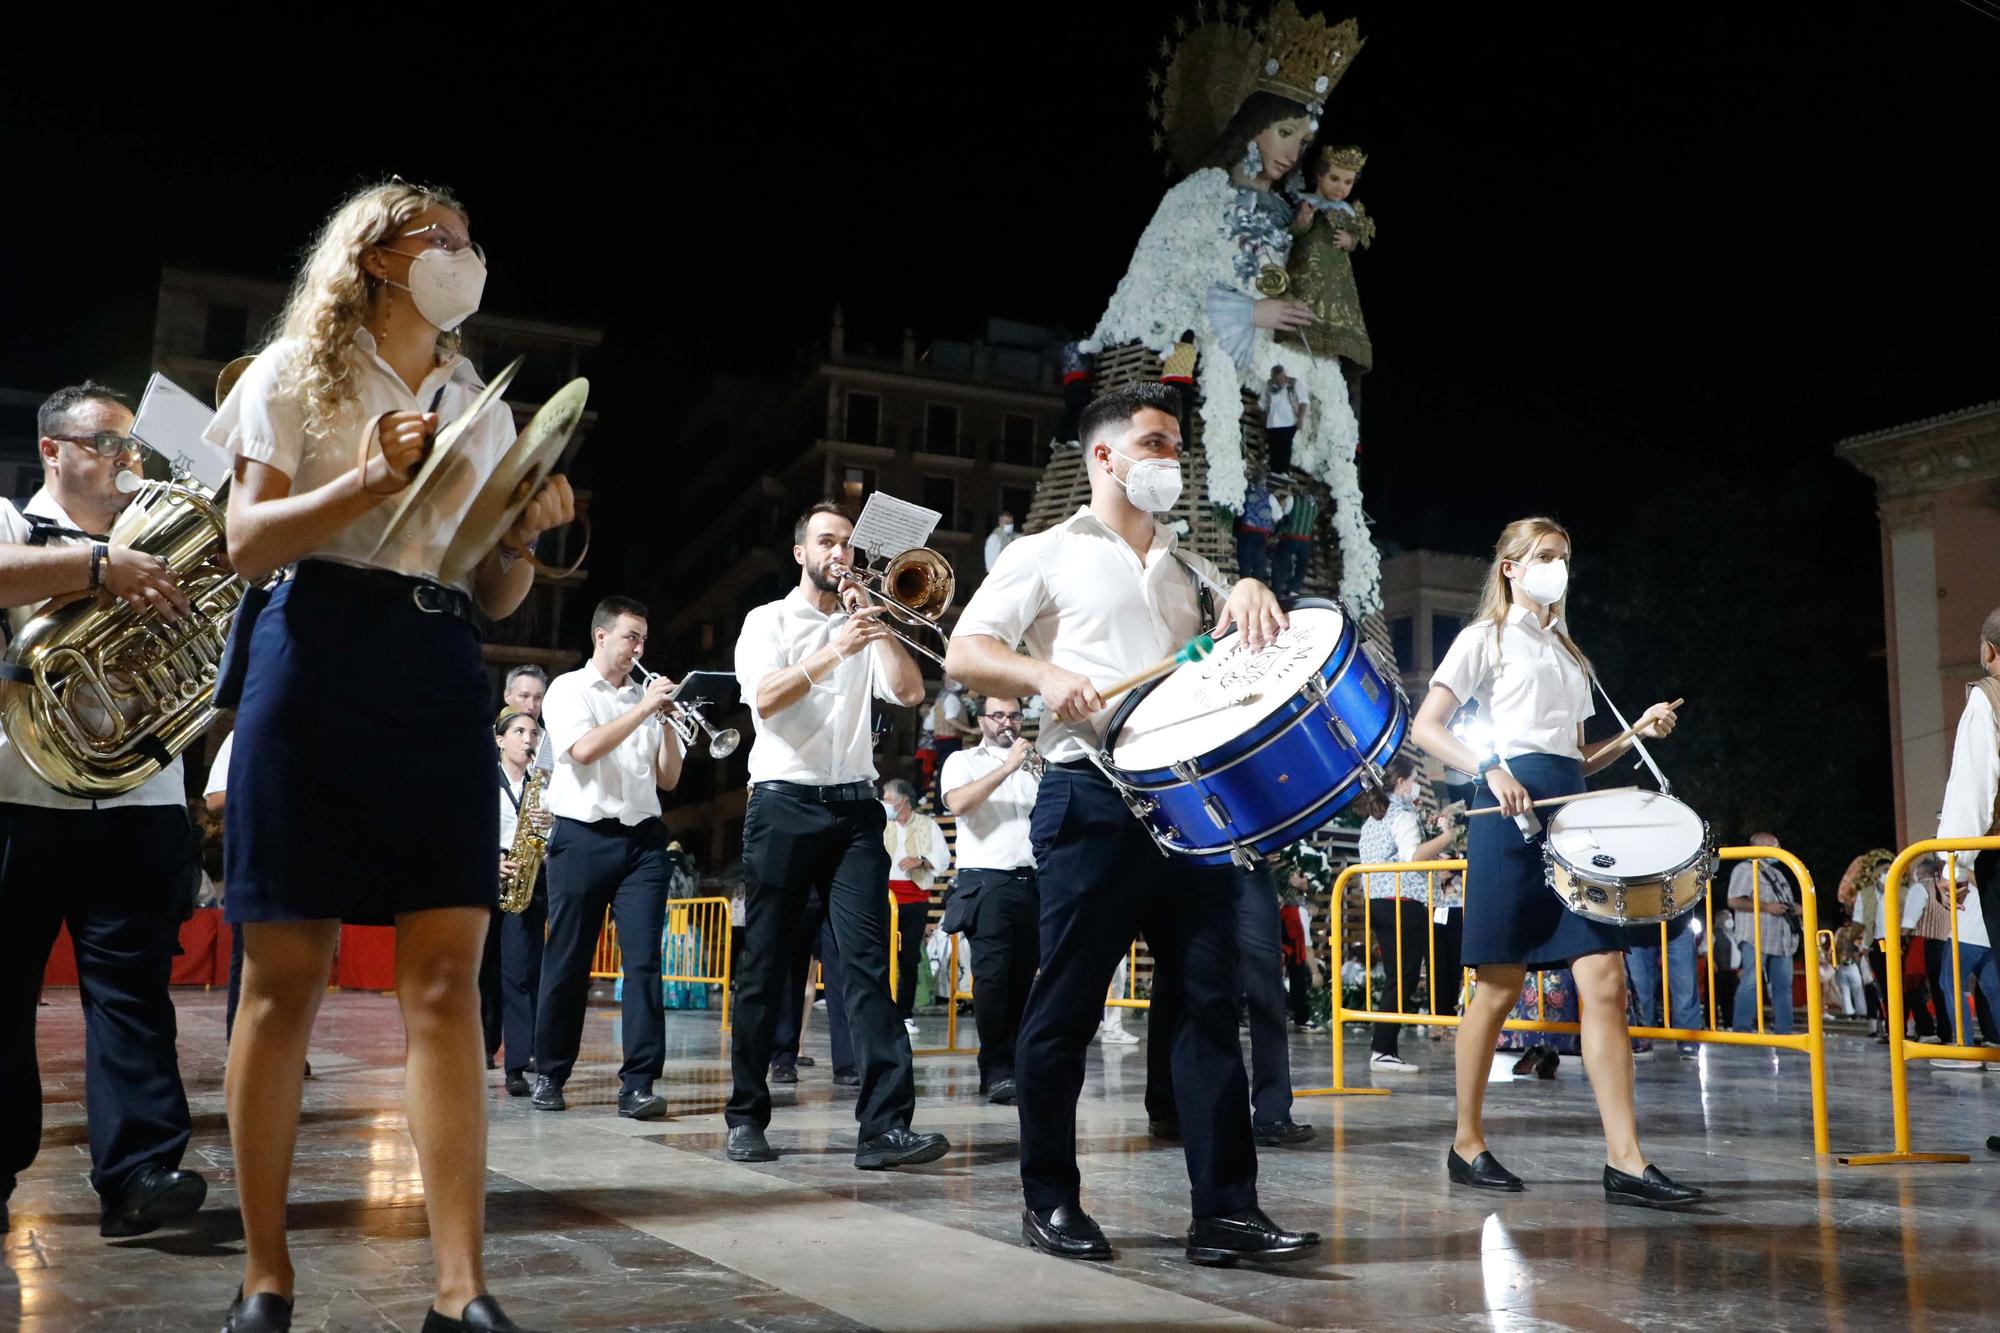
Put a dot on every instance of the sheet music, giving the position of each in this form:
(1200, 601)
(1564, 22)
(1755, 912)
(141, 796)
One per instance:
(170, 421)
(889, 527)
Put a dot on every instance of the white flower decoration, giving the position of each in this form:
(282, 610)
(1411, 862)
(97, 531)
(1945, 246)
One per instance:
(1320, 84)
(1270, 66)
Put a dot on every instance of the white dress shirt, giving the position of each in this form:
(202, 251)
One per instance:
(218, 772)
(1532, 692)
(18, 783)
(510, 798)
(1281, 409)
(263, 419)
(618, 786)
(994, 836)
(1077, 596)
(1975, 777)
(920, 837)
(824, 738)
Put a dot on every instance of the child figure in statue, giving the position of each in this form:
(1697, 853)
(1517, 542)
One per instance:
(1322, 274)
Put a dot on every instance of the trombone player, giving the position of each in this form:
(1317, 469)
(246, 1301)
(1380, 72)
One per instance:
(811, 666)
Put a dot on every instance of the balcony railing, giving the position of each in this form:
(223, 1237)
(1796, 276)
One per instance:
(955, 445)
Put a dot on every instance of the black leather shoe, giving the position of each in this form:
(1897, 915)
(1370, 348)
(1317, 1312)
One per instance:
(642, 1104)
(784, 1073)
(1545, 1067)
(517, 1084)
(1483, 1172)
(1065, 1231)
(1002, 1092)
(1652, 1190)
(266, 1312)
(309, 1069)
(846, 1078)
(805, 1062)
(152, 1197)
(548, 1094)
(1221, 1241)
(1170, 1130)
(482, 1315)
(748, 1144)
(901, 1146)
(1281, 1133)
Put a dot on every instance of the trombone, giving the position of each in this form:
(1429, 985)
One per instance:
(913, 589)
(688, 723)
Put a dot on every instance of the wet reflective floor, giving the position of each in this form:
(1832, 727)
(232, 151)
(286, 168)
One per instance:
(602, 1223)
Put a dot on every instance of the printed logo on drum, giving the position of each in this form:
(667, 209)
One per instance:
(1604, 860)
(1242, 670)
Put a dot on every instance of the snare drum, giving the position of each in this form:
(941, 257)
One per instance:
(1244, 753)
(1628, 857)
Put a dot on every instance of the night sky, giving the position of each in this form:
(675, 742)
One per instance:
(1639, 268)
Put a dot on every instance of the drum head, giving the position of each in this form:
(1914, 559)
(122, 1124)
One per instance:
(521, 472)
(1626, 835)
(1206, 704)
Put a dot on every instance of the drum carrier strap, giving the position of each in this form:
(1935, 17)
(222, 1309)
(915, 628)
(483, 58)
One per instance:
(1645, 755)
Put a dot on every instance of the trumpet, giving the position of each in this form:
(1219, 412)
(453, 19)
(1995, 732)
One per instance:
(913, 589)
(688, 723)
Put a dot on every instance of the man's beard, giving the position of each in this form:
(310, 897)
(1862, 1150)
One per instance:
(821, 579)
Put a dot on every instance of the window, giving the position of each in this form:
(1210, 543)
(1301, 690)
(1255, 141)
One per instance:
(1402, 640)
(941, 494)
(940, 429)
(864, 419)
(1017, 500)
(1444, 629)
(855, 484)
(1017, 440)
(227, 332)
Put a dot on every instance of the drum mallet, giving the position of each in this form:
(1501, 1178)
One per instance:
(1192, 651)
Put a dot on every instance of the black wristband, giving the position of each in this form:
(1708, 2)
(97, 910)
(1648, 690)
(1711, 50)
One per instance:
(99, 553)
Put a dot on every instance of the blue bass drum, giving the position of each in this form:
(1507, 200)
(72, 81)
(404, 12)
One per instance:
(1242, 753)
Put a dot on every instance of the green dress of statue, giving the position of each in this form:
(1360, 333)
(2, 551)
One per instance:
(1321, 266)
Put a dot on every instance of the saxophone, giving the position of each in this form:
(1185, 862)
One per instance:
(530, 844)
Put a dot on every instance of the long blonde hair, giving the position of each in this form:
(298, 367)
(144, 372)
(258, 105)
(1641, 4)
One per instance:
(329, 299)
(1517, 543)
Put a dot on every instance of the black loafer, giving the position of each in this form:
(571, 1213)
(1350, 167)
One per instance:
(1652, 1190)
(1529, 1059)
(1170, 1130)
(846, 1078)
(266, 1312)
(1002, 1092)
(901, 1146)
(517, 1084)
(153, 1197)
(548, 1094)
(1065, 1231)
(805, 1062)
(784, 1073)
(1281, 1133)
(1217, 1242)
(482, 1315)
(642, 1104)
(1545, 1067)
(1483, 1172)
(747, 1144)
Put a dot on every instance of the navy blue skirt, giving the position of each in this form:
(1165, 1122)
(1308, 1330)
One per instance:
(361, 779)
(1511, 913)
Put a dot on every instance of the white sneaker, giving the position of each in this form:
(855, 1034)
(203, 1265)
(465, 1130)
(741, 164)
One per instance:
(1117, 1036)
(1391, 1064)
(1957, 1064)
(910, 1026)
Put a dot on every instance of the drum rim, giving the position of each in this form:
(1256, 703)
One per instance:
(1132, 777)
(1704, 848)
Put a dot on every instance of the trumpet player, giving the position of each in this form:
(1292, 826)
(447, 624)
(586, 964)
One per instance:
(810, 667)
(518, 737)
(614, 750)
(119, 872)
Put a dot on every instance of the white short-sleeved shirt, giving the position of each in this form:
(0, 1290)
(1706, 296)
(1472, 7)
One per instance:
(218, 772)
(510, 798)
(1078, 597)
(1974, 782)
(1532, 691)
(1279, 409)
(19, 784)
(263, 419)
(620, 785)
(994, 836)
(825, 738)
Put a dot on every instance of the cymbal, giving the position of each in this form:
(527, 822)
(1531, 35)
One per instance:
(522, 470)
(442, 448)
(231, 373)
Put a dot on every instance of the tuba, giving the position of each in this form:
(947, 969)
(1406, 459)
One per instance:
(98, 698)
(530, 845)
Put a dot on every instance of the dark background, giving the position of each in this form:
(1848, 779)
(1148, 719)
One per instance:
(1640, 269)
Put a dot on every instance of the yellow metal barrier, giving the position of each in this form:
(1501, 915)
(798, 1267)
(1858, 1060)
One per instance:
(696, 950)
(951, 1046)
(1902, 1052)
(1130, 1000)
(1812, 1041)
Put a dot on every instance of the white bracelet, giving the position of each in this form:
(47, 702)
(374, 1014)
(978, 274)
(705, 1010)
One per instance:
(811, 684)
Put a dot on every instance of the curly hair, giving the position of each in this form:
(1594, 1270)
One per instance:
(329, 300)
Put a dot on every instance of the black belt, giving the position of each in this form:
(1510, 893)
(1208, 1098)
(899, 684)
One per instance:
(388, 586)
(846, 791)
(1018, 872)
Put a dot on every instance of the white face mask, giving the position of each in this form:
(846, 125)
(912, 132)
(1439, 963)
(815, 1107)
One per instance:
(1152, 484)
(446, 286)
(1545, 581)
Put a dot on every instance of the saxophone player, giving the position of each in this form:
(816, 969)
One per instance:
(120, 872)
(517, 735)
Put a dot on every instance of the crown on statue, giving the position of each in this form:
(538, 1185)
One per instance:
(1304, 57)
(1348, 158)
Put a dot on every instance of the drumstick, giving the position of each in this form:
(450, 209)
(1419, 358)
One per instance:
(1551, 800)
(1191, 651)
(1633, 730)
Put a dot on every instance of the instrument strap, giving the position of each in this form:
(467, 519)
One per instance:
(1645, 755)
(507, 788)
(1205, 590)
(43, 530)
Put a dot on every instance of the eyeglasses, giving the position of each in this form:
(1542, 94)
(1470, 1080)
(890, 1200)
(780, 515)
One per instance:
(106, 443)
(1003, 717)
(437, 236)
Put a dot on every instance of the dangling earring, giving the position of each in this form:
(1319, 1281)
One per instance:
(1253, 159)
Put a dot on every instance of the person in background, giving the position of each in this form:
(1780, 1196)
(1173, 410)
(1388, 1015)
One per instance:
(1643, 960)
(1301, 968)
(525, 688)
(1260, 515)
(998, 540)
(952, 729)
(918, 853)
(1759, 888)
(1394, 832)
(1284, 402)
(1295, 532)
(521, 935)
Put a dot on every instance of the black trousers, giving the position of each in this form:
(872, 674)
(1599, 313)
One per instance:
(1000, 910)
(521, 944)
(1299, 988)
(489, 987)
(122, 880)
(790, 846)
(1450, 967)
(591, 867)
(1937, 976)
(910, 921)
(815, 940)
(1280, 440)
(1260, 941)
(1382, 913)
(1102, 881)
